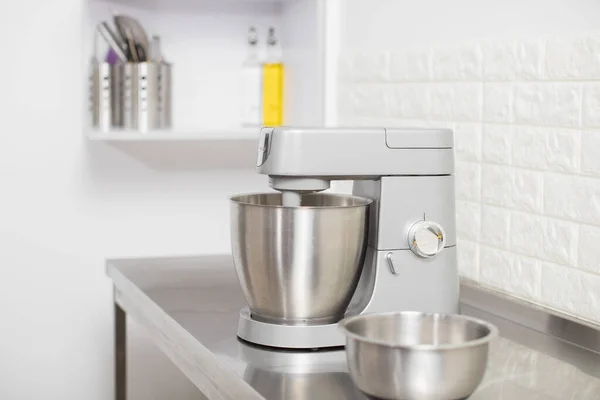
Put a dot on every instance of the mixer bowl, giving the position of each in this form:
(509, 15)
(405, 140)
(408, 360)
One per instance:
(417, 356)
(298, 265)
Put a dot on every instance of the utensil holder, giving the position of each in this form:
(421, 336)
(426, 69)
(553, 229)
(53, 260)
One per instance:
(132, 96)
(104, 96)
(164, 95)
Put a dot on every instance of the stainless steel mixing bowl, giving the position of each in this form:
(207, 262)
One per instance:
(416, 356)
(298, 265)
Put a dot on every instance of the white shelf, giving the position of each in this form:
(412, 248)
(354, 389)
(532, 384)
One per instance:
(205, 40)
(176, 135)
(195, 4)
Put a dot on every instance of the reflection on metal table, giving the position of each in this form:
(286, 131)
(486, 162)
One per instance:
(190, 307)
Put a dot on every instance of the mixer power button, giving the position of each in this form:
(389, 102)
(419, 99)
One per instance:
(426, 239)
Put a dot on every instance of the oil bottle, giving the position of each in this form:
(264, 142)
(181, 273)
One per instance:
(251, 84)
(272, 87)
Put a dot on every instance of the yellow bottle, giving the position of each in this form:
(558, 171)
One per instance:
(273, 83)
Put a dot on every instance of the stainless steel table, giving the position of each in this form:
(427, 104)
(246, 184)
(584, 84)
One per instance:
(190, 308)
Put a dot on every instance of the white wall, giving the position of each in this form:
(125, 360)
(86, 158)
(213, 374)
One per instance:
(66, 204)
(518, 83)
(388, 24)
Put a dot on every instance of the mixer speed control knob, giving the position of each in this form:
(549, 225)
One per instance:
(426, 239)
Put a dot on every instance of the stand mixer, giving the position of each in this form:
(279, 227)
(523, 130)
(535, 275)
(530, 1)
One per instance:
(307, 259)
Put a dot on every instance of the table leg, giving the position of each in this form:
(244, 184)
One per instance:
(120, 353)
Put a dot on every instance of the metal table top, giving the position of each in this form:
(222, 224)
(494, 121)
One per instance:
(190, 307)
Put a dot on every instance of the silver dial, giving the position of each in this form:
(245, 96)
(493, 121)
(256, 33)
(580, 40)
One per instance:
(426, 238)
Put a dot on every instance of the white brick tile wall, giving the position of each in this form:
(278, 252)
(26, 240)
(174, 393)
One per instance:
(364, 66)
(496, 185)
(410, 66)
(468, 181)
(510, 273)
(468, 219)
(526, 116)
(544, 238)
(571, 290)
(463, 62)
(590, 117)
(563, 149)
(562, 196)
(572, 197)
(495, 226)
(411, 100)
(457, 101)
(523, 60)
(589, 248)
(528, 147)
(497, 102)
(467, 141)
(590, 201)
(590, 151)
(496, 147)
(560, 241)
(548, 104)
(528, 270)
(363, 100)
(526, 234)
(527, 191)
(468, 258)
(418, 123)
(573, 57)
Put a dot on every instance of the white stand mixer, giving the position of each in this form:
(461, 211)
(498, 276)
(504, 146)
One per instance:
(410, 262)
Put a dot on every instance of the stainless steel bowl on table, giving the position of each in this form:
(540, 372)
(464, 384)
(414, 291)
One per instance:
(298, 265)
(417, 356)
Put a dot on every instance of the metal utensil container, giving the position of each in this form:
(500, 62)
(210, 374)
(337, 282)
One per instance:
(417, 356)
(164, 95)
(298, 265)
(105, 110)
(132, 96)
(140, 96)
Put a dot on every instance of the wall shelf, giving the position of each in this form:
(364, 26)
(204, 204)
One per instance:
(196, 4)
(175, 135)
(205, 40)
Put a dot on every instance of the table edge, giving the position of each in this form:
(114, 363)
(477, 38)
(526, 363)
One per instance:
(209, 374)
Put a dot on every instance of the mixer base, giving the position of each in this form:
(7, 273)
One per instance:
(288, 336)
